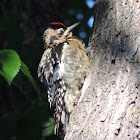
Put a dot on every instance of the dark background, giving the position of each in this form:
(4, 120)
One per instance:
(22, 23)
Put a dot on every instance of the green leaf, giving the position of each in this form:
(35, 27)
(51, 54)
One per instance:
(19, 82)
(9, 64)
(48, 127)
(26, 71)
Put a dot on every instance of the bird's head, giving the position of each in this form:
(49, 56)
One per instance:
(57, 33)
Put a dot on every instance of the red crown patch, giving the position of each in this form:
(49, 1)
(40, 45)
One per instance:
(59, 23)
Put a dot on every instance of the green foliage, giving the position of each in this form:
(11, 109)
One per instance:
(26, 72)
(26, 122)
(48, 127)
(9, 64)
(23, 123)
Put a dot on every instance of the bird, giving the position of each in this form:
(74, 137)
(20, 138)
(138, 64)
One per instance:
(63, 68)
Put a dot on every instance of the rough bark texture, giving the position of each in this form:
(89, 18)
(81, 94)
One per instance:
(110, 104)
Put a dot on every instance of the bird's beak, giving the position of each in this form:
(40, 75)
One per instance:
(73, 26)
(66, 33)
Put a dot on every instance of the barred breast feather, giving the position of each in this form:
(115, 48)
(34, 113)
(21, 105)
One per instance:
(63, 68)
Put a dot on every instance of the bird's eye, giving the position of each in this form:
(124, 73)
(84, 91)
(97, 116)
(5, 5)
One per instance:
(61, 30)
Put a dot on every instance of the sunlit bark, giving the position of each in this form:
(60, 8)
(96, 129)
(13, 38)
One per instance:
(110, 107)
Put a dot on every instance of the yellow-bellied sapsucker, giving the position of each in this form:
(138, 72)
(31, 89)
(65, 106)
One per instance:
(63, 68)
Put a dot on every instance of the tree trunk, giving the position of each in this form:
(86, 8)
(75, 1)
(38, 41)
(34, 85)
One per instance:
(109, 107)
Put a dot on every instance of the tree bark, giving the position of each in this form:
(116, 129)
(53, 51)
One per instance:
(109, 107)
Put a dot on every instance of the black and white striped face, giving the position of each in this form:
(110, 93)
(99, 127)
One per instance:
(57, 33)
(54, 37)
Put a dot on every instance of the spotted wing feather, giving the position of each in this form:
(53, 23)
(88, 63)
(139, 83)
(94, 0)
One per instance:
(50, 74)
